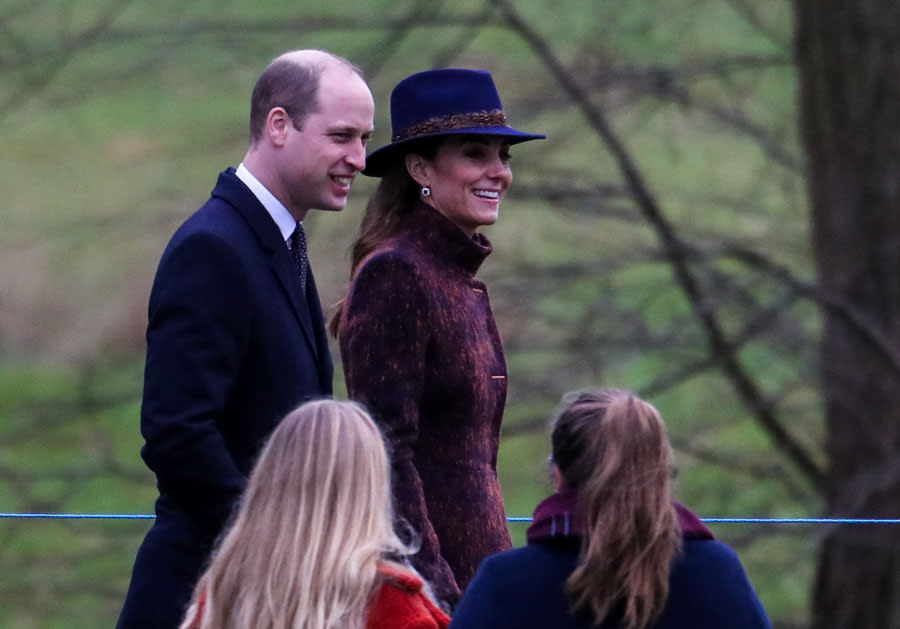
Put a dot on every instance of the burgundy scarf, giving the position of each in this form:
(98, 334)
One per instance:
(555, 517)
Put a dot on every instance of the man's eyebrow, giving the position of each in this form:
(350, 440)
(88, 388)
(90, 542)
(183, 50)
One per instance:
(348, 128)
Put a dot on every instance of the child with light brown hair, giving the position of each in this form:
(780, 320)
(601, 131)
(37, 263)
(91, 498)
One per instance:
(610, 549)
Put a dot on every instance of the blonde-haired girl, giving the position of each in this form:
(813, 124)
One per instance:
(312, 545)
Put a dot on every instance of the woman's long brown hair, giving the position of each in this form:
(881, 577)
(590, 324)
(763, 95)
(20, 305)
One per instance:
(612, 448)
(394, 197)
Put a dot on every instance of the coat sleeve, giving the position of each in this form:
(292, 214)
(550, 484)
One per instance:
(198, 329)
(384, 340)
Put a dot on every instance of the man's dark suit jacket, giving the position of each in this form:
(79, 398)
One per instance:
(232, 346)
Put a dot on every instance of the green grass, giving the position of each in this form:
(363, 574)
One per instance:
(121, 140)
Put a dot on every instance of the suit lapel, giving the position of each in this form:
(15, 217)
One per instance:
(233, 190)
(326, 368)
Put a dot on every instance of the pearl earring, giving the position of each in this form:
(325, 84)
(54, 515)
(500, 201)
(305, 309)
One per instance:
(426, 191)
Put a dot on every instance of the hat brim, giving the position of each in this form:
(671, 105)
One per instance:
(379, 161)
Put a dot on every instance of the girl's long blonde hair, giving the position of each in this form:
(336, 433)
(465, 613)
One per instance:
(314, 521)
(611, 447)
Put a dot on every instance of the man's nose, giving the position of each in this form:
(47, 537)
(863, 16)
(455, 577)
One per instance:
(356, 156)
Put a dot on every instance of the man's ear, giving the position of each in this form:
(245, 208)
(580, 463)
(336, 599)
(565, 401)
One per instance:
(417, 167)
(277, 125)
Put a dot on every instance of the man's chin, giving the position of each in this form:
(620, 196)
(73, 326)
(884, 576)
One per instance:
(332, 206)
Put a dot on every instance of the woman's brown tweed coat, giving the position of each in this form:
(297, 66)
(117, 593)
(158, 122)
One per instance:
(421, 350)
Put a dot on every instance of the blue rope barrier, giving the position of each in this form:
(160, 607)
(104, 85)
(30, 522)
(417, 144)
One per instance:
(80, 516)
(146, 516)
(803, 520)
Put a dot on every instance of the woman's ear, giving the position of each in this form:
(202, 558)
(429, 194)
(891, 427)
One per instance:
(558, 481)
(417, 167)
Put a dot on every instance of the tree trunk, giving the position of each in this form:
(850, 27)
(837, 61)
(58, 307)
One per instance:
(848, 58)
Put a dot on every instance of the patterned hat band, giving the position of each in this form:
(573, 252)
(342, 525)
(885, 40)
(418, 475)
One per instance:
(494, 118)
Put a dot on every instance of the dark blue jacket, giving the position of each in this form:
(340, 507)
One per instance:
(523, 589)
(232, 346)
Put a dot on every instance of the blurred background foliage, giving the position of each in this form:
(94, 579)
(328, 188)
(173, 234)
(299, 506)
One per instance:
(672, 145)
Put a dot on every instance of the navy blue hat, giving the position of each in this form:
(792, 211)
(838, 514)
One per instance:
(450, 101)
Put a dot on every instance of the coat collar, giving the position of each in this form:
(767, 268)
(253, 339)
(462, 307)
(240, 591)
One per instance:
(557, 516)
(440, 236)
(233, 191)
(400, 576)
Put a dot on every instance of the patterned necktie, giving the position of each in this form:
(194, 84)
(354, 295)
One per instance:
(298, 250)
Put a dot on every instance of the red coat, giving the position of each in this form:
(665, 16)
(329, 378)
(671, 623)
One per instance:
(401, 603)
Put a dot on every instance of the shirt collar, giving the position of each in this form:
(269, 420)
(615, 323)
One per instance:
(285, 221)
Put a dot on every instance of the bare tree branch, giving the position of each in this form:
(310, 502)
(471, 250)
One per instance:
(719, 344)
(18, 10)
(64, 54)
(101, 32)
(751, 15)
(868, 331)
(739, 121)
(670, 84)
(395, 34)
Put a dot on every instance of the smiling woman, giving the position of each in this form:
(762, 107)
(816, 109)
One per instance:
(418, 340)
(466, 179)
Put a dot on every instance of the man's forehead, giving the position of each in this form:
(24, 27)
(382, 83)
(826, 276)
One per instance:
(345, 102)
(345, 126)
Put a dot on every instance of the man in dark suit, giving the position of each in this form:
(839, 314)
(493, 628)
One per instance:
(236, 335)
